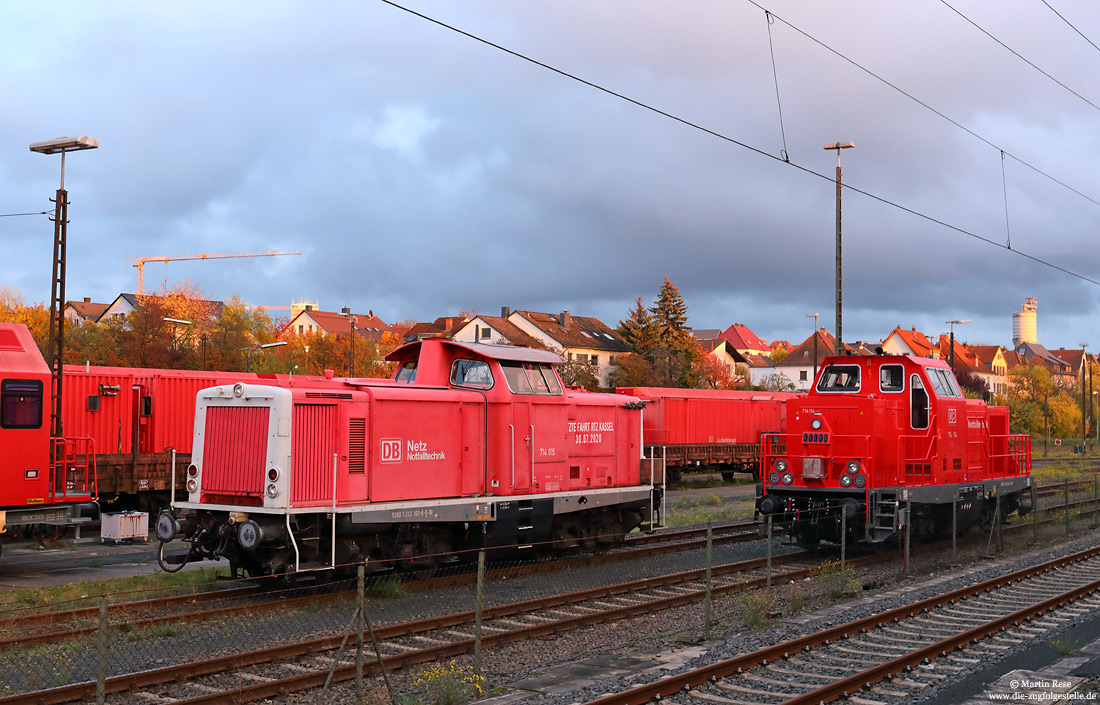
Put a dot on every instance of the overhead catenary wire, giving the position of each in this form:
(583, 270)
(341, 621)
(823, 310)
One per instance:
(1018, 54)
(927, 106)
(1071, 25)
(744, 145)
(13, 215)
(775, 75)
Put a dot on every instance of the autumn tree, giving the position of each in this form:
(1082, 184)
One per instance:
(638, 330)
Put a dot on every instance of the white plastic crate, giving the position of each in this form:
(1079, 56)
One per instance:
(124, 526)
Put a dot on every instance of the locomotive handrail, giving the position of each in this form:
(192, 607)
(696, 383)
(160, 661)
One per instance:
(512, 448)
(60, 465)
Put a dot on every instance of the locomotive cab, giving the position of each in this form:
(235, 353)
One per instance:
(880, 434)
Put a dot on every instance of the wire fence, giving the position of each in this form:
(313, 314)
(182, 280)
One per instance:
(87, 642)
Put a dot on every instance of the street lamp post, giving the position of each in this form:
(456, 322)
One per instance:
(179, 322)
(839, 258)
(56, 343)
(351, 322)
(815, 347)
(951, 350)
(248, 360)
(1084, 412)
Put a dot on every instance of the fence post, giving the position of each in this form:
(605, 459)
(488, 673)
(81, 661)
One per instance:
(843, 533)
(361, 617)
(908, 532)
(769, 554)
(993, 529)
(364, 617)
(710, 557)
(477, 613)
(1066, 488)
(955, 530)
(1034, 514)
(101, 671)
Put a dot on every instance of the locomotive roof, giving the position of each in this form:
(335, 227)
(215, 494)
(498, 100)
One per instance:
(18, 352)
(495, 352)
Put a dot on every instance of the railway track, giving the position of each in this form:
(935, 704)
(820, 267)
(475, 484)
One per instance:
(25, 627)
(879, 658)
(258, 673)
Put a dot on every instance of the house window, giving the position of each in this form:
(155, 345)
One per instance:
(581, 357)
(485, 333)
(803, 376)
(301, 328)
(594, 360)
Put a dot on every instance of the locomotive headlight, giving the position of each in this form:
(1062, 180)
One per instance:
(860, 480)
(773, 477)
(815, 424)
(192, 486)
(781, 465)
(845, 480)
(853, 467)
(238, 390)
(787, 478)
(272, 490)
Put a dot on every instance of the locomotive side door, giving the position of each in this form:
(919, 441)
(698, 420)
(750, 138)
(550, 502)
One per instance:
(523, 444)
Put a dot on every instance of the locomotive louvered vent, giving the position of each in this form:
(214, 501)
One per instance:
(956, 463)
(328, 395)
(815, 438)
(357, 445)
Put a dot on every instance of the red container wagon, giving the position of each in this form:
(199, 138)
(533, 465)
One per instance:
(137, 417)
(468, 447)
(886, 441)
(43, 480)
(705, 429)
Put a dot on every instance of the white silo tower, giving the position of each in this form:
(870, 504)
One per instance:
(1024, 323)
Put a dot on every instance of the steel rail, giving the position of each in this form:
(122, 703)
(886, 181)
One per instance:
(674, 684)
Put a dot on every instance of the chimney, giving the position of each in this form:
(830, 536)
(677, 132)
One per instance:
(566, 319)
(87, 299)
(346, 311)
(370, 313)
(505, 312)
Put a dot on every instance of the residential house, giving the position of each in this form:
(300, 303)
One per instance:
(993, 359)
(579, 338)
(309, 320)
(744, 340)
(442, 327)
(125, 304)
(84, 311)
(909, 342)
(1062, 373)
(802, 363)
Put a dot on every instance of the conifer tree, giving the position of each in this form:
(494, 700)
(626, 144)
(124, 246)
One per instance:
(638, 331)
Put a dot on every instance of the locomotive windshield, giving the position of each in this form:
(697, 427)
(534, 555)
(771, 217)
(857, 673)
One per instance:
(471, 373)
(943, 382)
(839, 378)
(407, 373)
(530, 377)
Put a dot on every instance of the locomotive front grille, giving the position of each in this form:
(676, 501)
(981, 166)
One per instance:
(234, 453)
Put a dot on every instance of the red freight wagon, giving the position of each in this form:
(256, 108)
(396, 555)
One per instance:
(883, 433)
(704, 428)
(470, 446)
(43, 480)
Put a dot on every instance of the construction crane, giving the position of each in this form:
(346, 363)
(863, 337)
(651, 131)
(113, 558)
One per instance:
(140, 261)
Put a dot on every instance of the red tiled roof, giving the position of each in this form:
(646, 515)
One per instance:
(577, 331)
(512, 332)
(743, 338)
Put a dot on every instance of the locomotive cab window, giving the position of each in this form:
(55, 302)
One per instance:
(471, 373)
(407, 372)
(839, 378)
(530, 377)
(21, 403)
(891, 378)
(943, 382)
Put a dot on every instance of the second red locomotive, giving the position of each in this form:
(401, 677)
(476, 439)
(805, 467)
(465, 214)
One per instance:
(883, 434)
(469, 446)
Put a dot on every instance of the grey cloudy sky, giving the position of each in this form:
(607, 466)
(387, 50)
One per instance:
(420, 171)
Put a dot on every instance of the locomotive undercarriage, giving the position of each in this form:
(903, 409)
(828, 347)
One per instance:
(261, 545)
(810, 517)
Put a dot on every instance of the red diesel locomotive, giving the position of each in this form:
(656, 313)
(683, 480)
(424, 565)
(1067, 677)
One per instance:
(882, 434)
(43, 480)
(689, 429)
(469, 446)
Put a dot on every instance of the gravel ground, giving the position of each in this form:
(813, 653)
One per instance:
(681, 629)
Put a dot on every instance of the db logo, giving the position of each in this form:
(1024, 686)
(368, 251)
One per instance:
(951, 416)
(391, 450)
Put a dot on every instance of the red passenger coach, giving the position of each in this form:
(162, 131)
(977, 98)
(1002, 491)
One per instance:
(692, 429)
(881, 434)
(43, 480)
(469, 446)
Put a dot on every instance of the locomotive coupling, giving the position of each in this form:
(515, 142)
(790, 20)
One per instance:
(168, 527)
